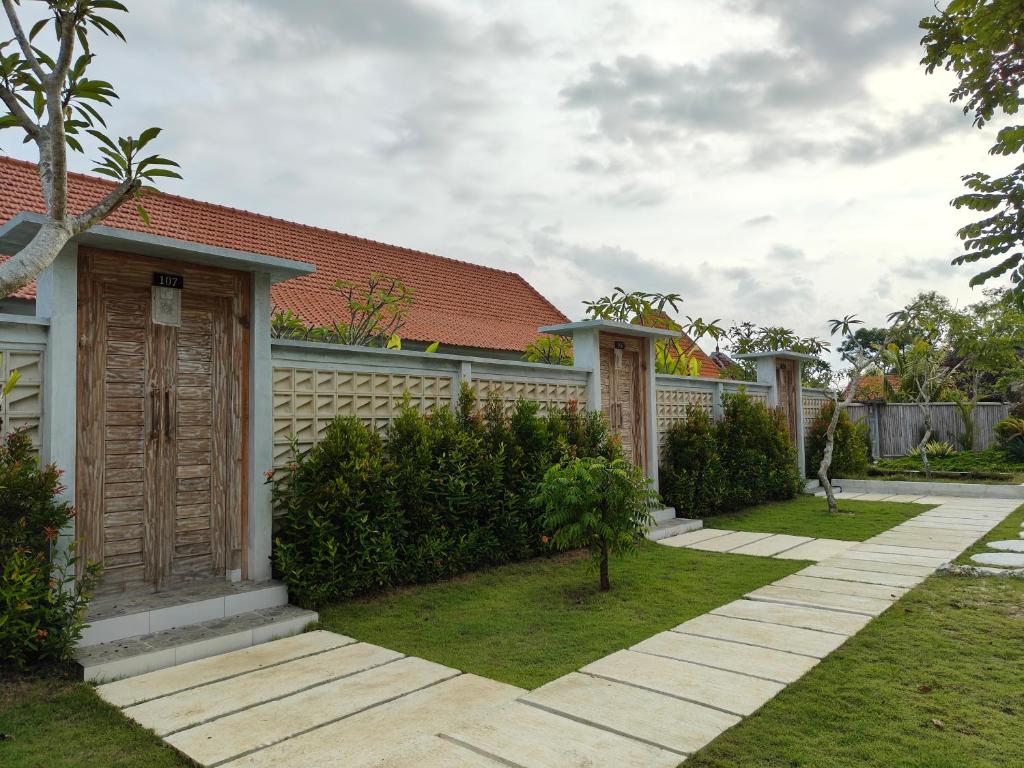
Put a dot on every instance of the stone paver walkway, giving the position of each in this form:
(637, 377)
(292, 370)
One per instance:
(322, 699)
(780, 545)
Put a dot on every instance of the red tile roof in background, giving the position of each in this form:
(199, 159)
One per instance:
(455, 302)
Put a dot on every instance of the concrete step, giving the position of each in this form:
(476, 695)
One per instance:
(673, 527)
(116, 617)
(143, 653)
(665, 514)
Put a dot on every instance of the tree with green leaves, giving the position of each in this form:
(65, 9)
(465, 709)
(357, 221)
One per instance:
(860, 352)
(373, 316)
(982, 43)
(746, 338)
(676, 357)
(53, 102)
(600, 504)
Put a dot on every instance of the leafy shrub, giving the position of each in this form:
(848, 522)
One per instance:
(42, 606)
(745, 458)
(939, 448)
(849, 450)
(437, 495)
(691, 471)
(604, 506)
(1010, 432)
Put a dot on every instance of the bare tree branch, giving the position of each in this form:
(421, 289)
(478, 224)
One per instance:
(105, 207)
(23, 41)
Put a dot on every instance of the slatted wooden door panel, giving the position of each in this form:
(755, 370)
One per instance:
(622, 394)
(162, 425)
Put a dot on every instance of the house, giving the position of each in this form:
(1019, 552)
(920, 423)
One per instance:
(466, 307)
(150, 364)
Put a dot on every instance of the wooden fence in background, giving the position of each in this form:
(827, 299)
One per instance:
(896, 428)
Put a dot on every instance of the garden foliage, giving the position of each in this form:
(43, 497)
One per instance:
(41, 605)
(850, 451)
(746, 458)
(599, 504)
(434, 496)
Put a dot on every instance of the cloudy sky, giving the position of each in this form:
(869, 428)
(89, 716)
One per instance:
(778, 161)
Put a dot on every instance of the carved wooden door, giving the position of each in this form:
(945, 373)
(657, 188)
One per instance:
(622, 394)
(160, 474)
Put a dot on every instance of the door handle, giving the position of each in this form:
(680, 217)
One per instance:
(154, 413)
(168, 420)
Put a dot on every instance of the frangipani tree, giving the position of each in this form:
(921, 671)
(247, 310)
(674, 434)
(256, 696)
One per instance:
(678, 356)
(860, 355)
(54, 104)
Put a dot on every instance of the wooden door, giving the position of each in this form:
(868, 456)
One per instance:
(786, 385)
(162, 423)
(622, 394)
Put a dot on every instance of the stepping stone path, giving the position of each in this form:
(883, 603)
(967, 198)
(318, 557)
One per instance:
(1009, 553)
(323, 699)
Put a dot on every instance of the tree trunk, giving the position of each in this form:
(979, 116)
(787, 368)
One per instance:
(37, 255)
(605, 584)
(830, 438)
(924, 441)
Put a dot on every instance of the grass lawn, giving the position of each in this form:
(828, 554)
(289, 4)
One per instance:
(531, 622)
(50, 722)
(992, 465)
(935, 682)
(808, 516)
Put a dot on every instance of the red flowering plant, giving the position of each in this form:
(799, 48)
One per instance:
(42, 604)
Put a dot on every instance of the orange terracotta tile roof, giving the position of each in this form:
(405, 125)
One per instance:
(455, 302)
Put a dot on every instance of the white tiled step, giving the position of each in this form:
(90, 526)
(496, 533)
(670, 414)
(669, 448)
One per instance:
(674, 527)
(118, 617)
(664, 515)
(137, 655)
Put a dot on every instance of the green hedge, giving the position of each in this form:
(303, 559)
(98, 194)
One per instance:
(41, 605)
(435, 496)
(746, 458)
(850, 451)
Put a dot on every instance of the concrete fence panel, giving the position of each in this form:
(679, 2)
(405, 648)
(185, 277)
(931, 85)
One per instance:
(315, 383)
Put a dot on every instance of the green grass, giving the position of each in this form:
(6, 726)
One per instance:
(809, 516)
(935, 682)
(1008, 529)
(531, 622)
(992, 464)
(51, 722)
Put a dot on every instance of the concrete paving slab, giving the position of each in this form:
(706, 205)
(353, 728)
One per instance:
(375, 736)
(824, 584)
(435, 752)
(729, 542)
(867, 606)
(942, 525)
(153, 685)
(903, 498)
(523, 735)
(267, 724)
(862, 576)
(771, 546)
(694, 537)
(957, 543)
(1007, 545)
(817, 550)
(872, 496)
(808, 642)
(895, 549)
(887, 557)
(199, 705)
(794, 616)
(731, 692)
(780, 666)
(657, 719)
(879, 567)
